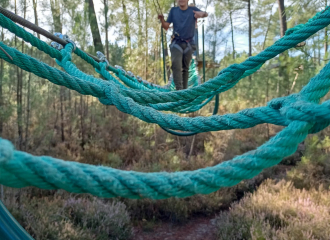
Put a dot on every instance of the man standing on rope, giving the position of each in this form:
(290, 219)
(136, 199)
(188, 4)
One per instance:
(182, 47)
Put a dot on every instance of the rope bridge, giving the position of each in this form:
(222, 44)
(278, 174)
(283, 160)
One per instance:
(301, 114)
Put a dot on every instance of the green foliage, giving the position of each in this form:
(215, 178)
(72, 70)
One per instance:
(314, 169)
(114, 160)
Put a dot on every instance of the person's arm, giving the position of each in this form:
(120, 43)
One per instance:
(165, 24)
(199, 14)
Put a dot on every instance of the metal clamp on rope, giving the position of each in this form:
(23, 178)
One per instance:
(102, 57)
(56, 45)
(65, 38)
(129, 73)
(121, 69)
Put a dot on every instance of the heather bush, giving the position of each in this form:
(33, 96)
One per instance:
(179, 210)
(61, 216)
(277, 211)
(104, 220)
(314, 168)
(43, 219)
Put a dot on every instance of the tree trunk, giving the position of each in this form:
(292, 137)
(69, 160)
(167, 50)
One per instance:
(126, 21)
(281, 10)
(56, 13)
(282, 71)
(106, 8)
(92, 118)
(75, 106)
(82, 129)
(140, 24)
(167, 60)
(146, 43)
(326, 36)
(325, 41)
(62, 92)
(266, 34)
(28, 110)
(94, 26)
(191, 147)
(71, 114)
(232, 33)
(19, 74)
(214, 43)
(35, 15)
(250, 28)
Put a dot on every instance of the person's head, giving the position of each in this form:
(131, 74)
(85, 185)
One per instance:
(182, 3)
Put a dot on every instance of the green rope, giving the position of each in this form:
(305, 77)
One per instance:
(10, 229)
(301, 113)
(228, 77)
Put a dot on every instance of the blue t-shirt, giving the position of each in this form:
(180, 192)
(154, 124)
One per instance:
(183, 22)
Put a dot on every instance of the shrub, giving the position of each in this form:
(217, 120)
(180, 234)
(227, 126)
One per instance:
(314, 168)
(104, 220)
(277, 211)
(42, 219)
(62, 217)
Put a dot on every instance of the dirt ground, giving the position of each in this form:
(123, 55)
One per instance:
(200, 228)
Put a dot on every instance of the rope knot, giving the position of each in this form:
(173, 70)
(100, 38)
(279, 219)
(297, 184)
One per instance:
(6, 150)
(296, 108)
(281, 102)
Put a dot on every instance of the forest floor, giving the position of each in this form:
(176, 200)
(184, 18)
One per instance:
(195, 228)
(198, 228)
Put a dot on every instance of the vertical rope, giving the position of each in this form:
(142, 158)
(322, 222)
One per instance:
(203, 52)
(163, 47)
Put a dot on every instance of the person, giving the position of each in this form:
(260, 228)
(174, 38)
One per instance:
(196, 33)
(184, 18)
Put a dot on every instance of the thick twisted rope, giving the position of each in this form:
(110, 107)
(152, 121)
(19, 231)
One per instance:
(20, 169)
(109, 94)
(301, 113)
(229, 77)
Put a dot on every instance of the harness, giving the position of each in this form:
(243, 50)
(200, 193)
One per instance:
(178, 39)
